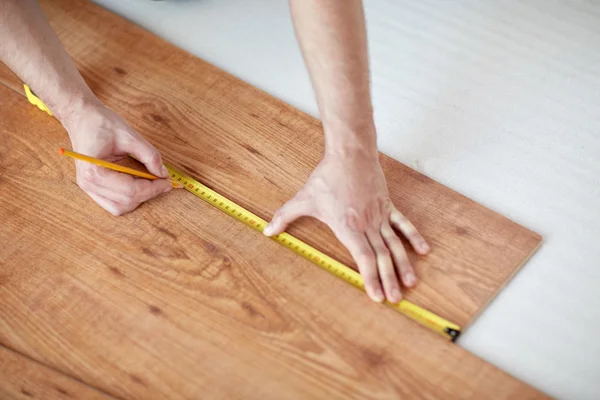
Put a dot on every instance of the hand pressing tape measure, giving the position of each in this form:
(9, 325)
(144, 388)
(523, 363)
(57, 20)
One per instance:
(303, 249)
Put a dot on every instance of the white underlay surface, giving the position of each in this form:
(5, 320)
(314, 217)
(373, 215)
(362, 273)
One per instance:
(499, 100)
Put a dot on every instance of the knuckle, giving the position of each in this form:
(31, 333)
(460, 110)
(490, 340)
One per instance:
(89, 175)
(354, 220)
(397, 217)
(400, 256)
(389, 277)
(386, 205)
(394, 243)
(405, 266)
(415, 233)
(382, 252)
(414, 236)
(406, 224)
(397, 249)
(129, 192)
(387, 232)
(155, 156)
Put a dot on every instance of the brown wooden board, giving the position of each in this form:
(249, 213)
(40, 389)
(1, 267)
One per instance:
(24, 378)
(259, 151)
(176, 298)
(10, 80)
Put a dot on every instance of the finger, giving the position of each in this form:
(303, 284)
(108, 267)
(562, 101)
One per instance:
(144, 189)
(400, 222)
(403, 265)
(109, 194)
(365, 259)
(112, 207)
(146, 154)
(288, 213)
(119, 187)
(387, 272)
(134, 196)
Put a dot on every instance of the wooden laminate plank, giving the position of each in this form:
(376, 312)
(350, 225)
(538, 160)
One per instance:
(259, 151)
(155, 305)
(26, 379)
(176, 299)
(10, 80)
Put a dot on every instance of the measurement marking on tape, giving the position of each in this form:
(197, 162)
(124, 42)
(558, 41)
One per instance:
(340, 270)
(313, 255)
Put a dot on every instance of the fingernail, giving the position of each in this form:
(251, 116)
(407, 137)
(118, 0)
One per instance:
(424, 247)
(164, 171)
(268, 229)
(410, 279)
(177, 185)
(377, 296)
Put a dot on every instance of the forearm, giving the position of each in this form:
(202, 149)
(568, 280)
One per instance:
(333, 39)
(31, 49)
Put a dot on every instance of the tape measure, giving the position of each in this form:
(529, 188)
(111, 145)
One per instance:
(313, 255)
(301, 248)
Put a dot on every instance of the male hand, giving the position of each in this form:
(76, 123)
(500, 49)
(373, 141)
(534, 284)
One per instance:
(349, 193)
(99, 132)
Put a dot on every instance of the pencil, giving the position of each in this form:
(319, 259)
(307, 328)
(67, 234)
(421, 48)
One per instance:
(113, 166)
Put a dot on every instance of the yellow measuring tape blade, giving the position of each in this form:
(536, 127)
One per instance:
(303, 249)
(313, 255)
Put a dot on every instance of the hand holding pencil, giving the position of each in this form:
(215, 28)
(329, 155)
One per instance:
(110, 165)
(103, 136)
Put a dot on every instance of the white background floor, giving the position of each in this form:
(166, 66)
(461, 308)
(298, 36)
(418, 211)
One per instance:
(499, 100)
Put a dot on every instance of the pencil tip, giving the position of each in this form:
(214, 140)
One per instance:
(61, 151)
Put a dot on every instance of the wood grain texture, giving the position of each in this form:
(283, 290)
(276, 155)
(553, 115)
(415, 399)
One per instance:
(259, 151)
(10, 80)
(177, 299)
(155, 304)
(25, 379)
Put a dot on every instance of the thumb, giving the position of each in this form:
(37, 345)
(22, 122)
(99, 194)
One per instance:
(149, 156)
(288, 213)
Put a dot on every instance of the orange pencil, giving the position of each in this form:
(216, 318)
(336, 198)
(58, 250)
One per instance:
(113, 166)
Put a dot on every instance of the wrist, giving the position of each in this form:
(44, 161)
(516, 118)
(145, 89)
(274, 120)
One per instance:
(353, 155)
(75, 106)
(352, 143)
(78, 109)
